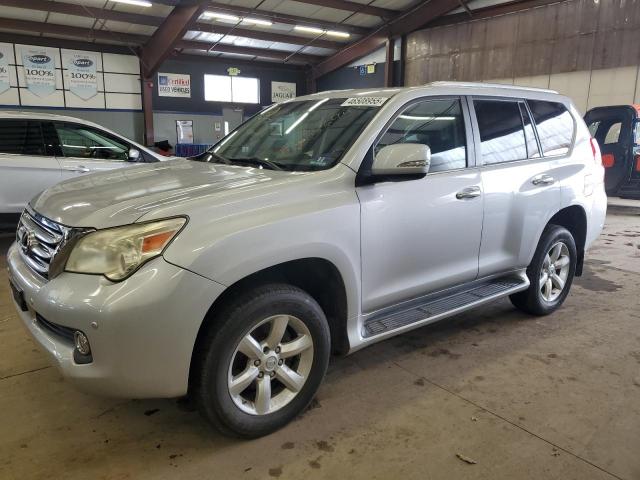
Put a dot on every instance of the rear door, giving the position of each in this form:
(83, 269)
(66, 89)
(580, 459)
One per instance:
(86, 149)
(613, 128)
(27, 166)
(521, 191)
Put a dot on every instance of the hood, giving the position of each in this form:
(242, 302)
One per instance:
(122, 196)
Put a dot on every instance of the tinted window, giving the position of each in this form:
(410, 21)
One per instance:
(436, 123)
(87, 142)
(555, 126)
(501, 131)
(21, 137)
(613, 134)
(532, 144)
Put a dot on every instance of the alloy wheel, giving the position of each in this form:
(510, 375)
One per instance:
(270, 365)
(555, 271)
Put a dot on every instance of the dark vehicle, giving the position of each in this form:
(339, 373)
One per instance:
(617, 130)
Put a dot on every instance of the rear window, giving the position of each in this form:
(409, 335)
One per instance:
(555, 126)
(21, 137)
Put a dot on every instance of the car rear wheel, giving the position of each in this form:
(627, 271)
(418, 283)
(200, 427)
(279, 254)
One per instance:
(262, 360)
(550, 273)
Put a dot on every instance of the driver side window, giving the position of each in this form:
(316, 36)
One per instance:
(81, 141)
(439, 124)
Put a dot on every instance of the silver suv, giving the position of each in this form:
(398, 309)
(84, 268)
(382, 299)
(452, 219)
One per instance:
(326, 223)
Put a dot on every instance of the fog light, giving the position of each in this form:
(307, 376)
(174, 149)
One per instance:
(82, 342)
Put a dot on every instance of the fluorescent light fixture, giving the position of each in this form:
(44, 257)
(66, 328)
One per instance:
(296, 123)
(221, 16)
(257, 21)
(302, 28)
(138, 3)
(334, 33)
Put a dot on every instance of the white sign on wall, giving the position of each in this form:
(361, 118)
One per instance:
(5, 55)
(83, 78)
(174, 85)
(39, 65)
(281, 91)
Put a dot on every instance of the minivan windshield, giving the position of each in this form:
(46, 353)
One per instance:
(294, 136)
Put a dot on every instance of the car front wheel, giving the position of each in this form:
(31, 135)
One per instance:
(264, 358)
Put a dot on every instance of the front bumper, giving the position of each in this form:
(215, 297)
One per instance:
(145, 327)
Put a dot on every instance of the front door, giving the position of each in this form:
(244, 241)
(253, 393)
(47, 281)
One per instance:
(27, 166)
(422, 235)
(85, 149)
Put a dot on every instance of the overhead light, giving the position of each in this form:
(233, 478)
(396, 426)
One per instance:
(221, 16)
(256, 21)
(139, 3)
(302, 28)
(338, 34)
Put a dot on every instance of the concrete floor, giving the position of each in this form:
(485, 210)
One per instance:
(540, 398)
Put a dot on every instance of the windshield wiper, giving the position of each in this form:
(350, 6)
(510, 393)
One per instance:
(257, 161)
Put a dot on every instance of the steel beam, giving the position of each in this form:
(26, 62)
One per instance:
(82, 11)
(352, 7)
(164, 39)
(404, 23)
(87, 34)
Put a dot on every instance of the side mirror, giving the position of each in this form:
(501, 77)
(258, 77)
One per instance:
(134, 155)
(402, 159)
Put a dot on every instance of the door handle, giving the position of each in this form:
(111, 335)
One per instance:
(471, 192)
(543, 179)
(79, 168)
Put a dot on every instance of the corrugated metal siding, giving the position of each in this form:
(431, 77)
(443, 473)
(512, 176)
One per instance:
(573, 35)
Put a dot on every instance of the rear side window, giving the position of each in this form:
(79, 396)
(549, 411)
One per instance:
(21, 137)
(82, 141)
(501, 132)
(439, 124)
(555, 126)
(613, 134)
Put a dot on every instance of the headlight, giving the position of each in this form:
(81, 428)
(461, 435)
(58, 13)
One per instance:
(117, 252)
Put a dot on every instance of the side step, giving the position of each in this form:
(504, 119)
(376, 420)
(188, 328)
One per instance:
(444, 304)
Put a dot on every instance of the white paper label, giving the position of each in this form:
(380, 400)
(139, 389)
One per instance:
(364, 102)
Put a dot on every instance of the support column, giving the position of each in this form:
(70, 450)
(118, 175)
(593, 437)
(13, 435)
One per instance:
(147, 110)
(388, 66)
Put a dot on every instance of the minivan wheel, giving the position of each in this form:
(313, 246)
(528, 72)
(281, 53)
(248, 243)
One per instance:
(262, 361)
(551, 273)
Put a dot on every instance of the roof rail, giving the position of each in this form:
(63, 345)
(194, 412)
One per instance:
(488, 85)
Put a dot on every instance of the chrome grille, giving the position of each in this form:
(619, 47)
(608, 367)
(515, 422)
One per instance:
(39, 239)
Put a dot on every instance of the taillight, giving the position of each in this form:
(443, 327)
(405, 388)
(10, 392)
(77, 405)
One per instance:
(608, 160)
(637, 163)
(595, 150)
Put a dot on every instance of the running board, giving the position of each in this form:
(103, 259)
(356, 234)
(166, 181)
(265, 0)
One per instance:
(444, 304)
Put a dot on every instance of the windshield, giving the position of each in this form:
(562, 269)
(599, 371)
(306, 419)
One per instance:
(294, 136)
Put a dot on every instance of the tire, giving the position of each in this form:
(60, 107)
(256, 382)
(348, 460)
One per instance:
(227, 353)
(539, 299)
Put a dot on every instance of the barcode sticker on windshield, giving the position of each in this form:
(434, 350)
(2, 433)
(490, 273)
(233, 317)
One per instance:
(364, 102)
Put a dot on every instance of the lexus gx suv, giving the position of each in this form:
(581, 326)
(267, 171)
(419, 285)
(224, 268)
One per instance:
(323, 224)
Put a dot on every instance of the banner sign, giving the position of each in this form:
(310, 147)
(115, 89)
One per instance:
(174, 85)
(40, 70)
(39, 65)
(281, 91)
(5, 55)
(83, 78)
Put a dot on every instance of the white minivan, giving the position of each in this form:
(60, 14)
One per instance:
(38, 150)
